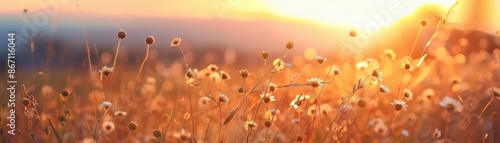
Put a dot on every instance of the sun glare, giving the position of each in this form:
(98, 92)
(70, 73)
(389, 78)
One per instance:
(351, 12)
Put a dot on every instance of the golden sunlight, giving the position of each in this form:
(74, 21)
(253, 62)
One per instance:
(352, 12)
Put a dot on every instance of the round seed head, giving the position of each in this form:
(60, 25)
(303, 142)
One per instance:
(106, 104)
(120, 113)
(133, 126)
(150, 40)
(272, 88)
(299, 138)
(265, 55)
(240, 90)
(423, 22)
(361, 103)
(62, 118)
(267, 123)
(157, 133)
(122, 34)
(289, 45)
(67, 111)
(267, 99)
(336, 70)
(398, 107)
(353, 33)
(64, 93)
(26, 102)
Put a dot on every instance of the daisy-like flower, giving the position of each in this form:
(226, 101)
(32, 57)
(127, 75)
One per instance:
(274, 111)
(250, 124)
(223, 98)
(108, 127)
(451, 104)
(224, 75)
(389, 53)
(182, 135)
(381, 128)
(272, 87)
(187, 116)
(436, 134)
(299, 99)
(270, 115)
(336, 70)
(175, 42)
(203, 101)
(106, 70)
(325, 109)
(495, 91)
(377, 74)
(279, 64)
(408, 94)
(244, 73)
(320, 59)
(399, 104)
(429, 93)
(345, 108)
(384, 89)
(405, 133)
(315, 82)
(361, 65)
(212, 67)
(408, 66)
(191, 74)
(106, 104)
(312, 110)
(267, 97)
(120, 113)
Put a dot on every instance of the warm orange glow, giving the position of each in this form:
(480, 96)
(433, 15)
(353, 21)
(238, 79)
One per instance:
(345, 12)
(351, 12)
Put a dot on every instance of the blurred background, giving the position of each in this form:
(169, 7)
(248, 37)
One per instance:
(231, 33)
(244, 25)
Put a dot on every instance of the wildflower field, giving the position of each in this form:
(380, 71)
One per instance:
(425, 92)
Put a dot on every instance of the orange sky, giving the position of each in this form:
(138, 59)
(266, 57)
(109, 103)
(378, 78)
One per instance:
(348, 12)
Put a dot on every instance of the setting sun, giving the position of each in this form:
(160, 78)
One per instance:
(351, 12)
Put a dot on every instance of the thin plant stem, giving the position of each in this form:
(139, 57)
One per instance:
(116, 54)
(191, 110)
(143, 62)
(184, 57)
(487, 105)
(416, 40)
